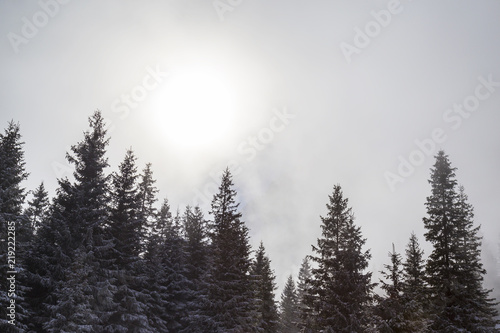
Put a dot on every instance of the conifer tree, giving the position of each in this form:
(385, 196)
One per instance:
(125, 228)
(398, 311)
(264, 291)
(304, 297)
(197, 267)
(454, 269)
(289, 311)
(81, 213)
(414, 287)
(341, 289)
(38, 207)
(13, 225)
(230, 291)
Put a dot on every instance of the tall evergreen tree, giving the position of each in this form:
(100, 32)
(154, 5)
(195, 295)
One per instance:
(454, 270)
(197, 268)
(12, 224)
(81, 210)
(264, 291)
(341, 289)
(289, 311)
(230, 291)
(130, 313)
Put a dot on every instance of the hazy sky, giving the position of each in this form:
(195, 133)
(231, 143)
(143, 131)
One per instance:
(295, 96)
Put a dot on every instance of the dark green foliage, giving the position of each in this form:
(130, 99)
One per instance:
(340, 289)
(454, 270)
(289, 308)
(15, 232)
(232, 306)
(264, 291)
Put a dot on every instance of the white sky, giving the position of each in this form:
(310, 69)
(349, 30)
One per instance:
(351, 120)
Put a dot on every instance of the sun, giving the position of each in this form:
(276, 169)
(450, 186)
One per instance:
(195, 108)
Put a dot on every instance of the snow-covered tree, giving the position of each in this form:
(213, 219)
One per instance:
(341, 291)
(264, 286)
(304, 297)
(13, 225)
(289, 310)
(454, 270)
(232, 306)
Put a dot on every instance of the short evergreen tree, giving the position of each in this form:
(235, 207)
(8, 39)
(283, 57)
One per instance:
(289, 311)
(264, 291)
(304, 297)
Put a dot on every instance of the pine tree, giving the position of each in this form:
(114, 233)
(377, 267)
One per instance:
(154, 268)
(13, 227)
(230, 292)
(289, 311)
(413, 287)
(454, 270)
(38, 207)
(304, 297)
(125, 230)
(147, 198)
(81, 211)
(398, 311)
(197, 267)
(264, 291)
(341, 290)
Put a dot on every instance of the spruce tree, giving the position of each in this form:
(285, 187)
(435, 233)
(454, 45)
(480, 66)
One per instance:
(264, 291)
(454, 269)
(13, 228)
(341, 289)
(414, 287)
(81, 213)
(130, 313)
(289, 311)
(197, 267)
(304, 297)
(230, 290)
(398, 311)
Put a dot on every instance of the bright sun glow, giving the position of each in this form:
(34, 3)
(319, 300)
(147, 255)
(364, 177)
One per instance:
(195, 108)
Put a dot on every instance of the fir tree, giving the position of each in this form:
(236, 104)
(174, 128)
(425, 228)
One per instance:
(197, 267)
(289, 311)
(398, 311)
(81, 212)
(341, 290)
(130, 313)
(304, 297)
(264, 291)
(38, 207)
(454, 270)
(13, 225)
(230, 291)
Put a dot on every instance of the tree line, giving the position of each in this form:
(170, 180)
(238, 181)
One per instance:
(103, 256)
